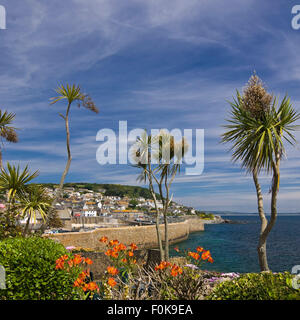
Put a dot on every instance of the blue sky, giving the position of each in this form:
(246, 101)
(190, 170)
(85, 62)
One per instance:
(156, 64)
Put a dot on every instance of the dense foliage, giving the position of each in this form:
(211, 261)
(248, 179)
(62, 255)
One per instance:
(30, 270)
(257, 286)
(110, 189)
(205, 215)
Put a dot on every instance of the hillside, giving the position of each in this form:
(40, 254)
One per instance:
(110, 189)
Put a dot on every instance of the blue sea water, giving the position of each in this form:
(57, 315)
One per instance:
(233, 246)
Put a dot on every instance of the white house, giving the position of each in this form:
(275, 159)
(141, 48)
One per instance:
(151, 204)
(89, 213)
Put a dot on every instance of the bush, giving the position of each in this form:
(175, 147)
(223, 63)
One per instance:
(257, 286)
(30, 270)
(204, 215)
(8, 226)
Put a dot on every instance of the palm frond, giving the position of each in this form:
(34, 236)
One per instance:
(256, 141)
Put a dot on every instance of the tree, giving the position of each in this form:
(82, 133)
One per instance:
(133, 203)
(71, 94)
(32, 200)
(13, 181)
(7, 132)
(159, 158)
(258, 129)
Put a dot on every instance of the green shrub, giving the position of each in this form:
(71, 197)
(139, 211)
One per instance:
(257, 286)
(30, 270)
(204, 215)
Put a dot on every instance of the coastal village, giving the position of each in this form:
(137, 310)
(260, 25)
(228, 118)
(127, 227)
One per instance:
(81, 209)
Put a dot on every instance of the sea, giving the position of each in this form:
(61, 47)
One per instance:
(233, 246)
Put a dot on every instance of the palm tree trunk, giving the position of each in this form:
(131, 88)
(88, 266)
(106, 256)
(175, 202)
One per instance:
(52, 210)
(275, 190)
(62, 180)
(166, 205)
(266, 226)
(262, 243)
(167, 256)
(159, 240)
(26, 226)
(1, 160)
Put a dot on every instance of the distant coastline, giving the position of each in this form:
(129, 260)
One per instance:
(234, 213)
(256, 214)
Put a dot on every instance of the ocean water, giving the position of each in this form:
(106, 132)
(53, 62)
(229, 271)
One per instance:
(233, 246)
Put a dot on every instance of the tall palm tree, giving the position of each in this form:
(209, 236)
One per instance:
(167, 155)
(71, 93)
(7, 131)
(258, 129)
(142, 154)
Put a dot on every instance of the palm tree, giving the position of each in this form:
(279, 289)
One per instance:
(167, 155)
(7, 132)
(32, 200)
(14, 182)
(258, 129)
(141, 154)
(71, 94)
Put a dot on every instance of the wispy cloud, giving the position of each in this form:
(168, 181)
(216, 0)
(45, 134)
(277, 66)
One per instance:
(156, 63)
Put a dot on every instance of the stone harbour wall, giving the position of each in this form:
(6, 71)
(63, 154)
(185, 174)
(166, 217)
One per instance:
(143, 236)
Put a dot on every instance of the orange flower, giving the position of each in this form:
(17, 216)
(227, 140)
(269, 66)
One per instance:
(70, 263)
(210, 259)
(114, 254)
(78, 282)
(205, 255)
(124, 260)
(82, 275)
(121, 247)
(174, 273)
(112, 282)
(109, 252)
(92, 286)
(103, 239)
(88, 261)
(194, 255)
(84, 287)
(113, 243)
(133, 246)
(77, 259)
(112, 270)
(59, 264)
(175, 270)
(166, 264)
(130, 253)
(65, 257)
(162, 265)
(200, 249)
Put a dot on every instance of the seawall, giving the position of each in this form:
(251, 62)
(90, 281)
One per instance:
(144, 236)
